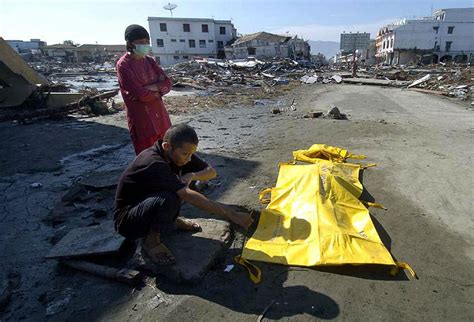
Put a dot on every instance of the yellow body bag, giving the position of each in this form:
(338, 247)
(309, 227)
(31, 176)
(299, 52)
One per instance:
(314, 215)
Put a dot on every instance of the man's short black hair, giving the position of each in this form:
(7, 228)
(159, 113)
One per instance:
(179, 134)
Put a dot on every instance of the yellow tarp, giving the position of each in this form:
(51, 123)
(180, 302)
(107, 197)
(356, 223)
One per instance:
(314, 216)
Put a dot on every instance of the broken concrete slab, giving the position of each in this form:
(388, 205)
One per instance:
(86, 241)
(14, 70)
(195, 253)
(337, 78)
(420, 81)
(371, 81)
(102, 179)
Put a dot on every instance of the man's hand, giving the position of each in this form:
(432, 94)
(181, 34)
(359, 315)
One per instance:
(241, 218)
(187, 178)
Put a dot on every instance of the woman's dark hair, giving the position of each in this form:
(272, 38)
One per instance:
(179, 134)
(135, 32)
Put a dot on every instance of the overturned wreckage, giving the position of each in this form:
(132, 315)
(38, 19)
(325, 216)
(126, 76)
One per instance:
(25, 94)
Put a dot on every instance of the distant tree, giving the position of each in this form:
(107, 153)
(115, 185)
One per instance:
(69, 42)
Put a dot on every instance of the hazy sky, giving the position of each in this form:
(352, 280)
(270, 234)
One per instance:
(104, 21)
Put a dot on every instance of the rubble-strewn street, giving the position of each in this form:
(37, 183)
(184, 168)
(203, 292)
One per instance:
(420, 143)
(236, 161)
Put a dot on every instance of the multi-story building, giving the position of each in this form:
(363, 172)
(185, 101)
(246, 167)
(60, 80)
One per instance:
(178, 39)
(354, 41)
(445, 36)
(264, 44)
(32, 46)
(354, 46)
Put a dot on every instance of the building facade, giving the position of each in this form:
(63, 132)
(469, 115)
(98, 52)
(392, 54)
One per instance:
(175, 40)
(61, 52)
(98, 53)
(266, 45)
(354, 41)
(445, 36)
(33, 46)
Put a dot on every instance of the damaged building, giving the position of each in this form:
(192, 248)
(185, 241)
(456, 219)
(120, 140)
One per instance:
(176, 40)
(61, 52)
(98, 53)
(354, 46)
(267, 45)
(443, 37)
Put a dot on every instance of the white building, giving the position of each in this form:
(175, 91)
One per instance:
(32, 46)
(178, 39)
(354, 41)
(264, 44)
(446, 36)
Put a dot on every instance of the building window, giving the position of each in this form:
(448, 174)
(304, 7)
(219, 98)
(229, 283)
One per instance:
(192, 43)
(202, 44)
(450, 30)
(186, 27)
(185, 57)
(176, 57)
(220, 44)
(159, 43)
(448, 45)
(211, 41)
(173, 40)
(222, 30)
(163, 27)
(182, 40)
(436, 29)
(205, 28)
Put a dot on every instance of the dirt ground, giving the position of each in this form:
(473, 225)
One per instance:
(422, 146)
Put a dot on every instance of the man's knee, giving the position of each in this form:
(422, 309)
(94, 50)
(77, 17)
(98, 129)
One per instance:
(168, 200)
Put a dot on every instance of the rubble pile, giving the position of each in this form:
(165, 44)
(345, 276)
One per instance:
(457, 83)
(52, 68)
(213, 73)
(454, 80)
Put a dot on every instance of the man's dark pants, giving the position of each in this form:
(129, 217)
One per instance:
(154, 213)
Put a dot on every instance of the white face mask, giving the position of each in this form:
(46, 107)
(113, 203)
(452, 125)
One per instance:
(142, 50)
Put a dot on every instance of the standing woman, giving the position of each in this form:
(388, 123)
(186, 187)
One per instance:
(142, 84)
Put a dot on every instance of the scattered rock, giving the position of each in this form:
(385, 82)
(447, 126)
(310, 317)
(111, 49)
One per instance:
(313, 115)
(334, 113)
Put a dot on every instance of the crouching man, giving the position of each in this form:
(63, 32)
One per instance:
(152, 187)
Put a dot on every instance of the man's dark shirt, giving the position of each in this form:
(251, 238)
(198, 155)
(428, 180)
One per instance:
(150, 173)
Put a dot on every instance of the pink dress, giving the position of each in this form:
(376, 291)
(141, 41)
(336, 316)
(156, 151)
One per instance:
(147, 117)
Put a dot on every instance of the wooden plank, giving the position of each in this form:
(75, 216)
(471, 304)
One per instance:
(123, 275)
